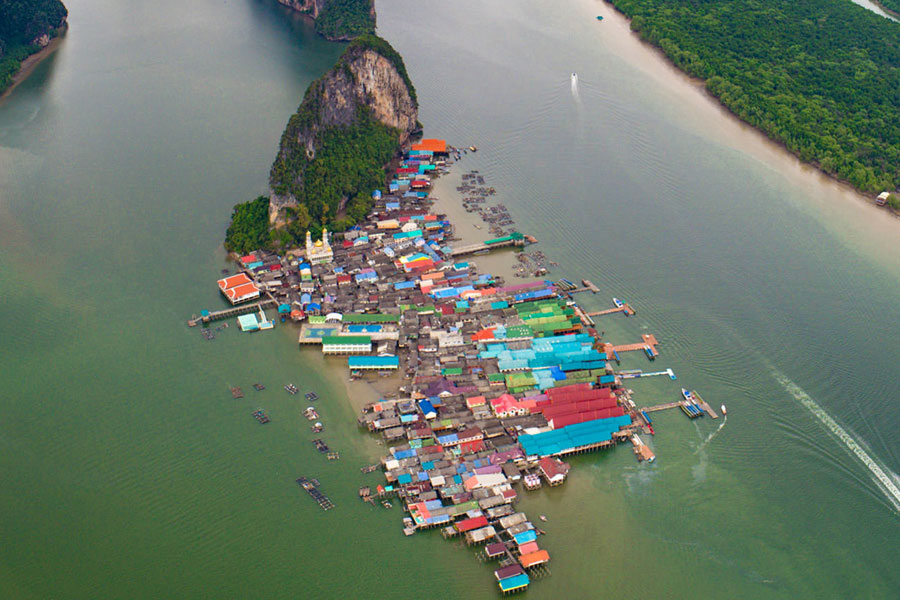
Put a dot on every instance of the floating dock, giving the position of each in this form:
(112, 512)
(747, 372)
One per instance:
(637, 374)
(312, 487)
(706, 407)
(588, 287)
(648, 346)
(626, 308)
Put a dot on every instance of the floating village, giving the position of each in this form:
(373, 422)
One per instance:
(497, 382)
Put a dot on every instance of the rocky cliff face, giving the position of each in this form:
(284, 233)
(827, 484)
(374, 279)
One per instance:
(368, 84)
(310, 7)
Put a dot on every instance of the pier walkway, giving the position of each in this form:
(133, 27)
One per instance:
(625, 309)
(706, 407)
(587, 287)
(648, 344)
(231, 312)
(665, 406)
(504, 242)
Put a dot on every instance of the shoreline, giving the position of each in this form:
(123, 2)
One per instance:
(31, 62)
(700, 84)
(889, 11)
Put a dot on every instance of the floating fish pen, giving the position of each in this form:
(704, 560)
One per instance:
(312, 487)
(258, 387)
(237, 393)
(312, 396)
(334, 455)
(321, 446)
(261, 416)
(291, 388)
(368, 468)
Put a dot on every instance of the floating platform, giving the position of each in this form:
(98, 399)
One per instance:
(261, 416)
(648, 346)
(312, 487)
(637, 374)
(237, 393)
(706, 407)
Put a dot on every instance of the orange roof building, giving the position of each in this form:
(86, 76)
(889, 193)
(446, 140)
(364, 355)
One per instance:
(238, 288)
(234, 280)
(432, 145)
(534, 558)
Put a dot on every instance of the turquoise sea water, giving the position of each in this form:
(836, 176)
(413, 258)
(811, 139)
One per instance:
(129, 472)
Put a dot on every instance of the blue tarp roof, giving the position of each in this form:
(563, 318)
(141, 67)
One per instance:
(373, 361)
(516, 581)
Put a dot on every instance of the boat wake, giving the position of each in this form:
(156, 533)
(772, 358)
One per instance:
(887, 482)
(710, 437)
(575, 88)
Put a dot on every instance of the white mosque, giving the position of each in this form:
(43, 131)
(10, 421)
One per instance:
(320, 252)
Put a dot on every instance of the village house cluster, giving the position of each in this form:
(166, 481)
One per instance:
(496, 382)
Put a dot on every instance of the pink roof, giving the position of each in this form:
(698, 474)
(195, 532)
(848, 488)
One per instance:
(529, 547)
(475, 401)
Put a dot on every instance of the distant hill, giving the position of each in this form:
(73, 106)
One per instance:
(26, 26)
(819, 76)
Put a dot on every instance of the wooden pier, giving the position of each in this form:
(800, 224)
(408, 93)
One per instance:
(231, 312)
(665, 406)
(706, 407)
(609, 311)
(588, 287)
(485, 247)
(649, 343)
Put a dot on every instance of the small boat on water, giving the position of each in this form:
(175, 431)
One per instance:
(724, 412)
(473, 148)
(618, 303)
(542, 518)
(687, 395)
(599, 17)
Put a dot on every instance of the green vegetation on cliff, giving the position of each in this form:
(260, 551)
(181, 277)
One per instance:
(890, 5)
(346, 19)
(249, 229)
(333, 151)
(21, 23)
(819, 76)
(334, 188)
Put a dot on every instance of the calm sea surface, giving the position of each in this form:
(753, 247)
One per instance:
(129, 472)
